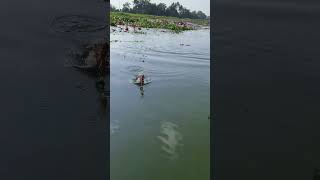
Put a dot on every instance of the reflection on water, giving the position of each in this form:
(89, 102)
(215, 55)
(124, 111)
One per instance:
(48, 108)
(77, 24)
(141, 91)
(154, 117)
(114, 126)
(270, 83)
(86, 55)
(170, 139)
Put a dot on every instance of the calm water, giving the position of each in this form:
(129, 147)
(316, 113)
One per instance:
(51, 123)
(164, 134)
(266, 89)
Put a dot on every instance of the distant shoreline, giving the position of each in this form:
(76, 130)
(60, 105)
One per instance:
(152, 21)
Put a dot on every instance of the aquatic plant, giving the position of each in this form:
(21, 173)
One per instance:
(150, 21)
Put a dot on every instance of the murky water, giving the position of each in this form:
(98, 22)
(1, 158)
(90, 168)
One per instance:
(52, 124)
(266, 90)
(162, 132)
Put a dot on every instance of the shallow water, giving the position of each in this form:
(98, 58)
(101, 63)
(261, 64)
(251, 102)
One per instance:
(164, 133)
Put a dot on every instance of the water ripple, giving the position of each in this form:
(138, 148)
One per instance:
(77, 24)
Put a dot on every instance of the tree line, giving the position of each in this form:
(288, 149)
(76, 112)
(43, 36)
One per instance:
(161, 9)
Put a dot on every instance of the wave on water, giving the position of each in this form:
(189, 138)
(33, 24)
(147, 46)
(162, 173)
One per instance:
(77, 24)
(186, 56)
(155, 73)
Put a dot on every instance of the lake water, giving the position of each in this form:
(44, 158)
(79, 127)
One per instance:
(52, 124)
(164, 131)
(266, 90)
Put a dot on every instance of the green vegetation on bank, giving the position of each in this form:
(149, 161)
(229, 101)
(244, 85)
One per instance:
(147, 7)
(151, 21)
